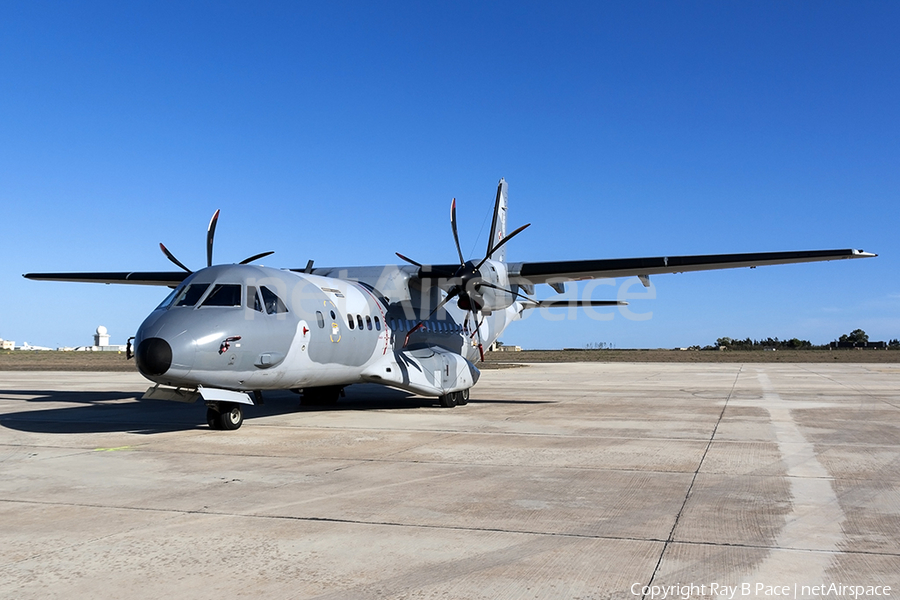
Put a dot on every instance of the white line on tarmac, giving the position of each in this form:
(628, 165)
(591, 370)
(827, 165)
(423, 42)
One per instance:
(816, 518)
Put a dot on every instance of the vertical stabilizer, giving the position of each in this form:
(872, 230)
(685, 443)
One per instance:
(498, 227)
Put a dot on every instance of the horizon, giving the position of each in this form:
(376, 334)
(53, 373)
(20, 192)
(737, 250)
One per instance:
(341, 133)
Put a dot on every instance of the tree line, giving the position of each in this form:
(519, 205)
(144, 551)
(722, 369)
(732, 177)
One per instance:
(855, 336)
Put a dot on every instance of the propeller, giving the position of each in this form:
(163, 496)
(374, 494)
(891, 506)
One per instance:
(210, 237)
(467, 282)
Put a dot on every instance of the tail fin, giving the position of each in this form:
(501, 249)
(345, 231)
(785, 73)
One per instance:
(498, 227)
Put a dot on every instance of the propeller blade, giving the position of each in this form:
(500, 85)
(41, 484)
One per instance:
(171, 257)
(256, 257)
(409, 260)
(210, 234)
(478, 333)
(501, 242)
(503, 289)
(462, 261)
(450, 295)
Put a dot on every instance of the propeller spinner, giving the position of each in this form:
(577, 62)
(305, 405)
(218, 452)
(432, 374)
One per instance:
(467, 281)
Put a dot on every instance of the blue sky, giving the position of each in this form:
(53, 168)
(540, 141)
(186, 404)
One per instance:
(340, 132)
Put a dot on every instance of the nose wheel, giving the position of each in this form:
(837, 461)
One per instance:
(225, 415)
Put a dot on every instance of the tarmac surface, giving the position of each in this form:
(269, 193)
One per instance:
(582, 481)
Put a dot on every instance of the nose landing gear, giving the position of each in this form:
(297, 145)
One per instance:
(224, 415)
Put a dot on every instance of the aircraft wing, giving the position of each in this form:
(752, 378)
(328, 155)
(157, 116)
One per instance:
(572, 270)
(166, 278)
(523, 272)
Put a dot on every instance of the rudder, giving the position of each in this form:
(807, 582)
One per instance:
(498, 227)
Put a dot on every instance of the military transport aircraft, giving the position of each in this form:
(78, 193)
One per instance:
(226, 333)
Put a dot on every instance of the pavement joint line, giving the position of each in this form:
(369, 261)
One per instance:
(200, 431)
(410, 448)
(863, 391)
(75, 544)
(687, 495)
(808, 495)
(356, 461)
(624, 538)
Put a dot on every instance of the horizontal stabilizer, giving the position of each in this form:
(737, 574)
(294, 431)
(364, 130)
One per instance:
(576, 303)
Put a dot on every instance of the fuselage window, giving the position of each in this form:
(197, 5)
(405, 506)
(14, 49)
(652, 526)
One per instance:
(320, 319)
(191, 294)
(333, 317)
(377, 324)
(350, 321)
(368, 322)
(224, 294)
(253, 299)
(272, 302)
(359, 321)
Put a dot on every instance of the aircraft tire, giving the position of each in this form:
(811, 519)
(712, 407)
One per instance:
(447, 400)
(462, 397)
(322, 396)
(213, 418)
(231, 417)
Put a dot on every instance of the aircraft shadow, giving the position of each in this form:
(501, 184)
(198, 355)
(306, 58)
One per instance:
(110, 412)
(99, 412)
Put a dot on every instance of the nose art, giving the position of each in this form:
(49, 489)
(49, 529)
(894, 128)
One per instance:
(153, 356)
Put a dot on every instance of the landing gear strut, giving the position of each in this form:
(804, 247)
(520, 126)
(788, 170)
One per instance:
(321, 396)
(224, 415)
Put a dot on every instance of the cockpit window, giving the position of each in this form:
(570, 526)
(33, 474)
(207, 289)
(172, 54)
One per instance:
(253, 299)
(272, 302)
(169, 299)
(224, 294)
(191, 294)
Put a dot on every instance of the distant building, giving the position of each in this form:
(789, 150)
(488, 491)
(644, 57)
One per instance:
(499, 347)
(860, 345)
(7, 344)
(101, 337)
(101, 343)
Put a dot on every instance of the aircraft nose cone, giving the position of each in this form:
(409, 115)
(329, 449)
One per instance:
(153, 356)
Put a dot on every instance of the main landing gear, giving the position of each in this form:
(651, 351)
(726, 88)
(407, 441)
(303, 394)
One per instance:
(452, 399)
(224, 415)
(321, 396)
